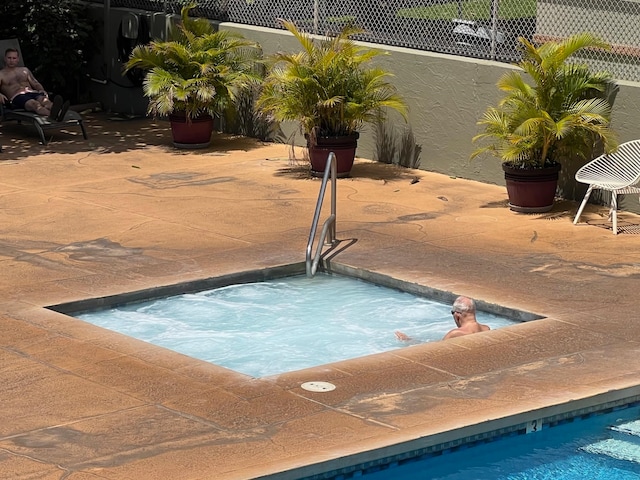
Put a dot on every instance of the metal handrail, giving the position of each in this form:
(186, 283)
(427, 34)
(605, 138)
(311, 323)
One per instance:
(328, 235)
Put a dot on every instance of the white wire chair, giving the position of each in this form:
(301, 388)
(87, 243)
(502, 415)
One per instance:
(617, 172)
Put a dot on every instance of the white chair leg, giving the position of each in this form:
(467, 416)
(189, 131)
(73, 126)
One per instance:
(613, 213)
(584, 202)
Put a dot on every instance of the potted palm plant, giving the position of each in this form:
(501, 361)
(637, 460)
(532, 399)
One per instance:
(562, 113)
(195, 75)
(332, 90)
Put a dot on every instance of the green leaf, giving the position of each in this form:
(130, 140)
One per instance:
(557, 109)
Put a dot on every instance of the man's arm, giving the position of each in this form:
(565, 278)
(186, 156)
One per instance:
(3, 98)
(35, 84)
(403, 337)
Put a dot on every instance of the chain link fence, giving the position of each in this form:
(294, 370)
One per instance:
(486, 29)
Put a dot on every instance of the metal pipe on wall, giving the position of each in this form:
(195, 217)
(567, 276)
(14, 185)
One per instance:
(495, 4)
(107, 38)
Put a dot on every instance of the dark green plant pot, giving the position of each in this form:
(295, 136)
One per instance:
(193, 134)
(531, 190)
(344, 149)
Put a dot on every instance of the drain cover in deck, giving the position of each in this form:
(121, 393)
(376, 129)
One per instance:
(318, 386)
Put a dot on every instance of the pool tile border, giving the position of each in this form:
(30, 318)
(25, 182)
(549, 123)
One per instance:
(590, 408)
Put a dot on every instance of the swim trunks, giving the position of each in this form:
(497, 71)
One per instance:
(19, 100)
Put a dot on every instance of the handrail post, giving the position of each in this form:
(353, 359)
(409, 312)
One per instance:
(328, 236)
(334, 184)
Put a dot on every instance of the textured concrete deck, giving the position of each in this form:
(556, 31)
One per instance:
(124, 211)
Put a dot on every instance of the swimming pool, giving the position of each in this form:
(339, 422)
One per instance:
(600, 445)
(594, 448)
(284, 324)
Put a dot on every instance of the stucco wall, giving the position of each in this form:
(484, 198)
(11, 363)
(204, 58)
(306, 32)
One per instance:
(446, 94)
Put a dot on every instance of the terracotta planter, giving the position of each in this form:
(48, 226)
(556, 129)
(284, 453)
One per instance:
(344, 149)
(531, 190)
(193, 134)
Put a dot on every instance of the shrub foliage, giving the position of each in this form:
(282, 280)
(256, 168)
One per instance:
(57, 39)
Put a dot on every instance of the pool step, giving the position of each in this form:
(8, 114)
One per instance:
(619, 449)
(630, 428)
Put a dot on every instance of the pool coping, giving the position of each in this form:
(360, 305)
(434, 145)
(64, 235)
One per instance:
(357, 465)
(280, 271)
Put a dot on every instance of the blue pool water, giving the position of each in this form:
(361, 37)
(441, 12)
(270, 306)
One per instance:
(286, 324)
(602, 447)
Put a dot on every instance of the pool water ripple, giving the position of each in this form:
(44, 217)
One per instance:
(282, 325)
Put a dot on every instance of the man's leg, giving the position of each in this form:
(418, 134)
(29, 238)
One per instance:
(34, 106)
(63, 111)
(56, 107)
(45, 102)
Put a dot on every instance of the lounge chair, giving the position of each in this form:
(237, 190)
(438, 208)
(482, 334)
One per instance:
(617, 172)
(42, 124)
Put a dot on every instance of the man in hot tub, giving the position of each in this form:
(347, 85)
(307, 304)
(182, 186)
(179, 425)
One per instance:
(464, 314)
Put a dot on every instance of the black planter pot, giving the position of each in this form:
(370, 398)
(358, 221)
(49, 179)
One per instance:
(344, 149)
(193, 134)
(531, 190)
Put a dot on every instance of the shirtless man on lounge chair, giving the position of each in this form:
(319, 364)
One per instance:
(19, 87)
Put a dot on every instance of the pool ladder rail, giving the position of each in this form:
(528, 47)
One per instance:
(328, 234)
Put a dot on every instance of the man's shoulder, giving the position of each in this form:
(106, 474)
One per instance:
(456, 332)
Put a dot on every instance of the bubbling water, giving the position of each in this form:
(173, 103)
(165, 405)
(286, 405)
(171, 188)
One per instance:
(283, 325)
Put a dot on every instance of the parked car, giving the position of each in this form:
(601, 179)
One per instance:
(470, 33)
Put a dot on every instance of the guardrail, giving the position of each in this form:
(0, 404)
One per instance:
(328, 234)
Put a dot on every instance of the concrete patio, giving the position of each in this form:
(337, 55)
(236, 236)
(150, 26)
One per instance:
(125, 211)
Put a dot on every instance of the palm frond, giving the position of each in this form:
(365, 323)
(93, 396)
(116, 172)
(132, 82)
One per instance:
(198, 70)
(562, 110)
(329, 85)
